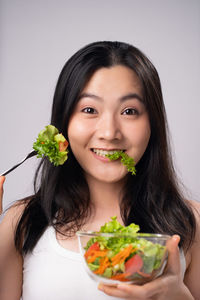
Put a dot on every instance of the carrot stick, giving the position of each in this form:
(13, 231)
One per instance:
(94, 254)
(122, 255)
(103, 265)
(121, 277)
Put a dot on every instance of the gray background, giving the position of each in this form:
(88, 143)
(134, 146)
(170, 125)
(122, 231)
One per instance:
(37, 37)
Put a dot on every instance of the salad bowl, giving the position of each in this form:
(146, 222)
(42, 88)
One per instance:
(123, 256)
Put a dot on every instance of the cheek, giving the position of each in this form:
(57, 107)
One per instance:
(143, 138)
(75, 127)
(140, 139)
(74, 131)
(78, 134)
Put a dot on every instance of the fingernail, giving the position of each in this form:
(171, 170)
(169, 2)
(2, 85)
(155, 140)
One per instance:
(176, 238)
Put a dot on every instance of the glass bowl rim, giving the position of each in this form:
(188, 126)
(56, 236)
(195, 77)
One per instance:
(121, 234)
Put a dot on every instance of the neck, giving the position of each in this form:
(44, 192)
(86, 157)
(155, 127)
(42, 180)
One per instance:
(105, 198)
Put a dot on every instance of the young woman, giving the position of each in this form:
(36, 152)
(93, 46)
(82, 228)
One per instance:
(108, 97)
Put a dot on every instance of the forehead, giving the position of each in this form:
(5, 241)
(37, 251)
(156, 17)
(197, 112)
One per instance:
(119, 79)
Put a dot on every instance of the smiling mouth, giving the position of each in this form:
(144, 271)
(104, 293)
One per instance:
(103, 153)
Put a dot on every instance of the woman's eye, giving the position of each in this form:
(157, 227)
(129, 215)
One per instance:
(89, 110)
(130, 111)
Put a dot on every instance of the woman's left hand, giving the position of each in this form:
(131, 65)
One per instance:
(168, 286)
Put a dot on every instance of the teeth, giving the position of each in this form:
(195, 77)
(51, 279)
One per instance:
(103, 153)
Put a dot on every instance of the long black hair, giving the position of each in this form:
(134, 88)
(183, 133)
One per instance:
(151, 198)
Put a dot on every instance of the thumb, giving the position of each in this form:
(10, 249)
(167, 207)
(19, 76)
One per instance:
(2, 179)
(173, 263)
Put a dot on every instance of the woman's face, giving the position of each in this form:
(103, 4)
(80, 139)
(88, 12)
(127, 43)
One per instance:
(109, 116)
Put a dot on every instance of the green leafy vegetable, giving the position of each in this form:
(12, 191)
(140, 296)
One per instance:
(126, 160)
(115, 226)
(52, 144)
(124, 256)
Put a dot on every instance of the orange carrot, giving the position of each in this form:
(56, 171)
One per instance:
(93, 247)
(122, 255)
(121, 277)
(103, 265)
(94, 254)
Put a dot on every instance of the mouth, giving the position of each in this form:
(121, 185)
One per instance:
(103, 152)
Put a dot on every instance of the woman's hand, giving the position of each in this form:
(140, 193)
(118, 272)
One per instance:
(168, 286)
(2, 179)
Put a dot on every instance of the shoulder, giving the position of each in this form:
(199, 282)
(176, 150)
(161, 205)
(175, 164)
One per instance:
(12, 214)
(9, 222)
(195, 206)
(11, 261)
(8, 225)
(193, 268)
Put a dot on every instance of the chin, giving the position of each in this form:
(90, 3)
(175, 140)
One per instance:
(109, 177)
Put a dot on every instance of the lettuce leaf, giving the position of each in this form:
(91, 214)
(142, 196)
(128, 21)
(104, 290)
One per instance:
(52, 144)
(115, 226)
(126, 160)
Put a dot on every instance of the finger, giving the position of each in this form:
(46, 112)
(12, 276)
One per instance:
(173, 262)
(113, 291)
(2, 179)
(125, 291)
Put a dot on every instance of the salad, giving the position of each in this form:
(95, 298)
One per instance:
(123, 255)
(52, 144)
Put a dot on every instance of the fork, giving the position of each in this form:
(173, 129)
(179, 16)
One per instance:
(32, 153)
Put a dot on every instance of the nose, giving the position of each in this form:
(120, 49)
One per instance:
(108, 128)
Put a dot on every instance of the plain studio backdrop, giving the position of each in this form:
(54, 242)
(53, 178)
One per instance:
(37, 37)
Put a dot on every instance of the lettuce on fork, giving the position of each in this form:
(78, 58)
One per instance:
(52, 144)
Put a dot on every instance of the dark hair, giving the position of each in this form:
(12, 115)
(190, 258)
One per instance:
(151, 198)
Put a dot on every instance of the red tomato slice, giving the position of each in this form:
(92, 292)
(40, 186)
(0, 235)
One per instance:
(94, 246)
(134, 264)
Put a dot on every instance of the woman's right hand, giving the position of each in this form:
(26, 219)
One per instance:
(2, 179)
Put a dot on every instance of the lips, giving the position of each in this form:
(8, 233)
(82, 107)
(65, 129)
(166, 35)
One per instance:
(103, 152)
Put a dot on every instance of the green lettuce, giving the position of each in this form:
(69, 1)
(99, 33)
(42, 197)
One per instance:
(52, 144)
(115, 226)
(126, 160)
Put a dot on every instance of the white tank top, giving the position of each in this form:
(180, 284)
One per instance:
(52, 272)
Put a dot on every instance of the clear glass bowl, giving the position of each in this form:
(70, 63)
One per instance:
(115, 257)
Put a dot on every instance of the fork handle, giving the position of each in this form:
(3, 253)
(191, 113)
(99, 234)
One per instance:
(32, 153)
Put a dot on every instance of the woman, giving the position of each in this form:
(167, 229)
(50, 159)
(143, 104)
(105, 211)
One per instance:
(108, 97)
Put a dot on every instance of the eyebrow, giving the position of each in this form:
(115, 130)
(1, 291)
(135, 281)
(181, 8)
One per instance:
(121, 99)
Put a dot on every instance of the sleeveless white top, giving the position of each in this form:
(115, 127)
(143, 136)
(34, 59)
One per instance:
(52, 272)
